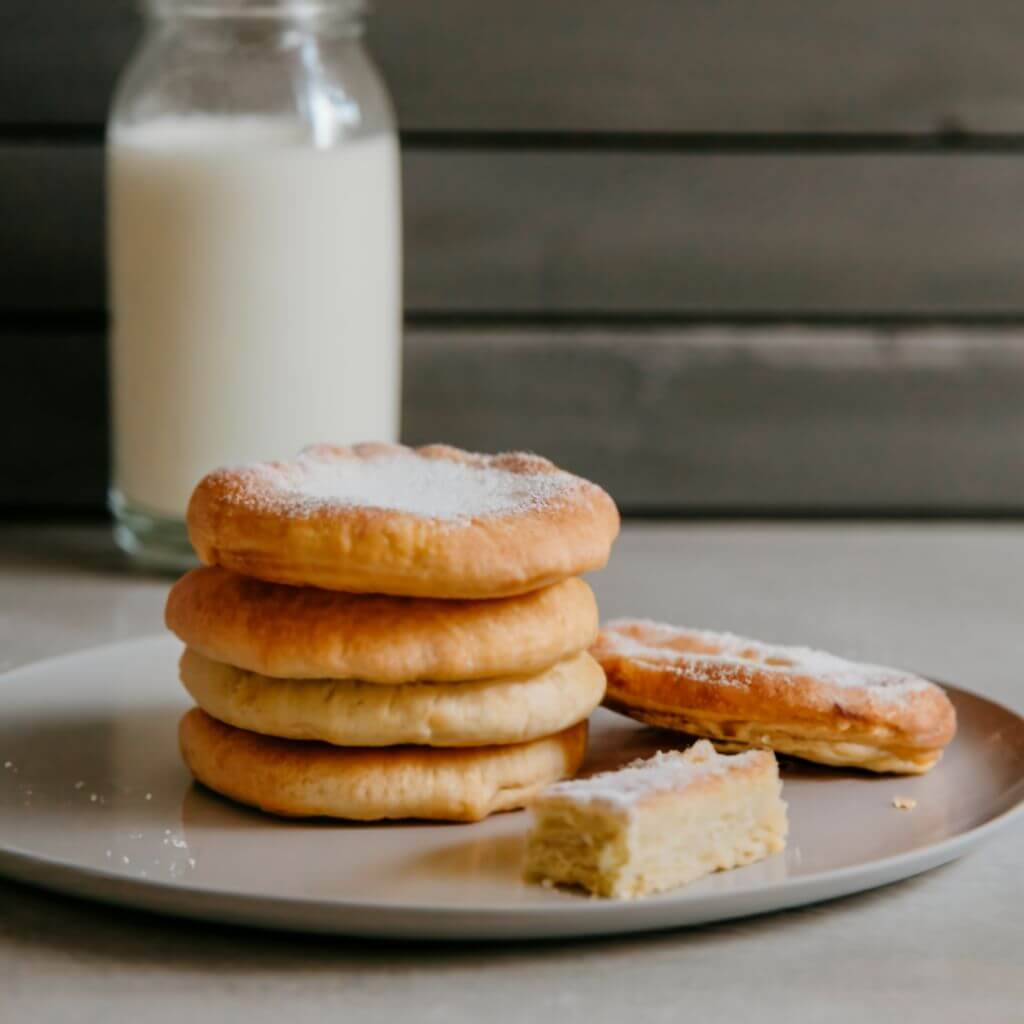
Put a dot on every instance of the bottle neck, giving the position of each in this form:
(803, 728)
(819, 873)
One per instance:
(344, 16)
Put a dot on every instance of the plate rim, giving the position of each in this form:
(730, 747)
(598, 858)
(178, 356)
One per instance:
(578, 917)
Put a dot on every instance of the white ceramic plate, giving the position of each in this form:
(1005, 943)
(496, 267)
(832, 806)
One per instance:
(94, 801)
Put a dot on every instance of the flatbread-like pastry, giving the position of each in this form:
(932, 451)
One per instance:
(385, 519)
(309, 633)
(351, 713)
(302, 779)
(742, 693)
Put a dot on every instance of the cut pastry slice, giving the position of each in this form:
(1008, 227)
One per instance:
(297, 779)
(659, 823)
(742, 693)
(351, 713)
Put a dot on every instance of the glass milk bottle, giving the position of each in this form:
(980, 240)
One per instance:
(254, 250)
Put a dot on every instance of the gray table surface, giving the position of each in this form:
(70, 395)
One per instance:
(946, 946)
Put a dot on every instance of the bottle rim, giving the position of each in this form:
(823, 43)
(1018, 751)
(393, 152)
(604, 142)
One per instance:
(212, 9)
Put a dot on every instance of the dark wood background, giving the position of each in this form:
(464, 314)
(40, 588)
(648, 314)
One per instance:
(721, 256)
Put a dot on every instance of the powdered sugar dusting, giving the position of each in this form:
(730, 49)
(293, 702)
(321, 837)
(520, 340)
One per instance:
(666, 771)
(728, 659)
(399, 480)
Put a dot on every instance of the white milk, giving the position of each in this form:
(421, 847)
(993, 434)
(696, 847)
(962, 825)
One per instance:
(255, 287)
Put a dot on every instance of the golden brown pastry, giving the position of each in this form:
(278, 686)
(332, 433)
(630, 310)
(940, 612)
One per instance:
(742, 693)
(297, 779)
(308, 633)
(349, 713)
(425, 522)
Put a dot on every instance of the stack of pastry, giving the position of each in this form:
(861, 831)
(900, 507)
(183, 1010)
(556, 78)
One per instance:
(382, 632)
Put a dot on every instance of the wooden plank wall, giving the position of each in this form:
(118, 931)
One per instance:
(603, 66)
(720, 257)
(623, 232)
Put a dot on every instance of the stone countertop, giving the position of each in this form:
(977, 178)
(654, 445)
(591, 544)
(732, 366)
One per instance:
(947, 946)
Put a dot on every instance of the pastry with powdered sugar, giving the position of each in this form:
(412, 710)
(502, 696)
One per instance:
(743, 693)
(658, 823)
(434, 521)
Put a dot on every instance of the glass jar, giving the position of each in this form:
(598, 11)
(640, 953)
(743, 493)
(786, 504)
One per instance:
(254, 245)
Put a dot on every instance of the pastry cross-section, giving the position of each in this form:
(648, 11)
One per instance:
(658, 823)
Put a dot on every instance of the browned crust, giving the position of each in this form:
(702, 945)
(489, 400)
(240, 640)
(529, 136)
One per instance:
(309, 633)
(307, 779)
(758, 705)
(371, 550)
(873, 752)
